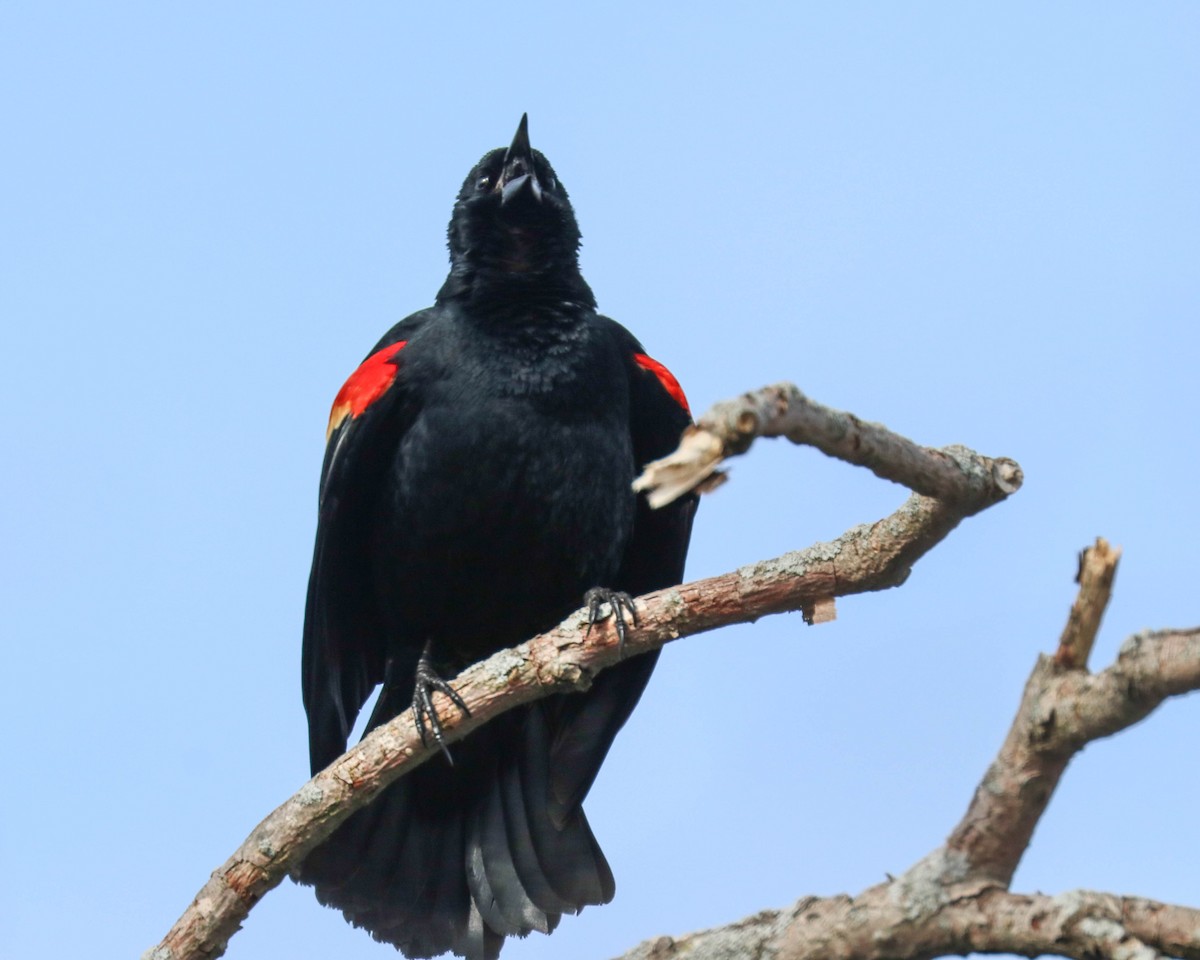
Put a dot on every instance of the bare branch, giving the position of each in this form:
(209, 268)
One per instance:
(955, 900)
(1151, 666)
(731, 426)
(865, 558)
(1061, 711)
(952, 901)
(1010, 800)
(879, 924)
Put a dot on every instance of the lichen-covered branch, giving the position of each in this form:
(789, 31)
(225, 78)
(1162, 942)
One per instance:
(879, 925)
(868, 557)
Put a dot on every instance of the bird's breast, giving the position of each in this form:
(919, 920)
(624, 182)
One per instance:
(505, 505)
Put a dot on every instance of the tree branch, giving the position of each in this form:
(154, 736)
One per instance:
(1060, 713)
(952, 901)
(730, 427)
(955, 899)
(877, 925)
(865, 558)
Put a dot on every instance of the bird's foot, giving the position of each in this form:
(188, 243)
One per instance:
(622, 605)
(427, 682)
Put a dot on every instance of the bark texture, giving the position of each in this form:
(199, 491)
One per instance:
(884, 923)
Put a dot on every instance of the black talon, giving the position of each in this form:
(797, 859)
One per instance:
(621, 603)
(426, 682)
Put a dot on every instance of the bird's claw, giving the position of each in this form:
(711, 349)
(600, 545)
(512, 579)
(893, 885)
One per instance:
(622, 605)
(424, 712)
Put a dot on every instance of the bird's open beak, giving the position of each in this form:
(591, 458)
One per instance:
(517, 176)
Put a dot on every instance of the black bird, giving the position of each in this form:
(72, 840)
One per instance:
(476, 487)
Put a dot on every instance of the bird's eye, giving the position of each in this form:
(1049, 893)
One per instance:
(551, 183)
(483, 182)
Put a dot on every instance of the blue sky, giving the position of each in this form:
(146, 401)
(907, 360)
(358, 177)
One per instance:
(976, 225)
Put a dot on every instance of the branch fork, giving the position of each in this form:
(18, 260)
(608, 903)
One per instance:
(956, 899)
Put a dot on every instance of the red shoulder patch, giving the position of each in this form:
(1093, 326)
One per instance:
(666, 378)
(366, 385)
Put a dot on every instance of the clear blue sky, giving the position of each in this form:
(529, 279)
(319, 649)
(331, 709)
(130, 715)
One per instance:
(975, 225)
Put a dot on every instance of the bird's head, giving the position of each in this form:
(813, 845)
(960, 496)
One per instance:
(513, 219)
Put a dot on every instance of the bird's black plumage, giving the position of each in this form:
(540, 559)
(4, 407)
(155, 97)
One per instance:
(476, 484)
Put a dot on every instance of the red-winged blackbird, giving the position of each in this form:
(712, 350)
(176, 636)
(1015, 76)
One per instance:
(476, 486)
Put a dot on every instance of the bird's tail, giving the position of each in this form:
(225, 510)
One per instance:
(458, 858)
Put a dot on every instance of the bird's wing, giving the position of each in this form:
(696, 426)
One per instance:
(658, 415)
(343, 657)
(587, 724)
